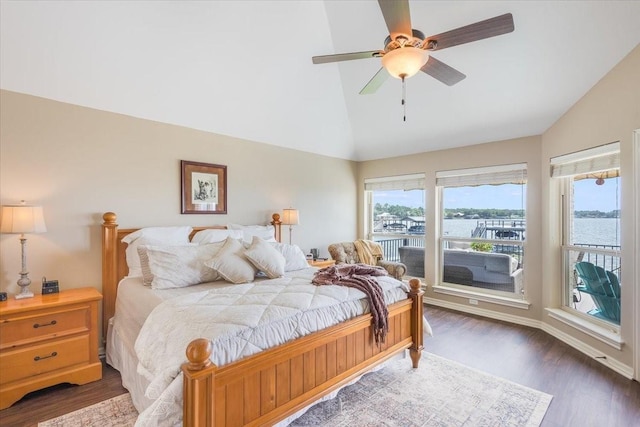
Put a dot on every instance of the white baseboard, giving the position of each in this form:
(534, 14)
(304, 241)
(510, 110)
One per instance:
(519, 320)
(608, 361)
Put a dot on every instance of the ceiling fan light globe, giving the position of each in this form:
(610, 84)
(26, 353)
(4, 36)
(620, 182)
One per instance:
(404, 61)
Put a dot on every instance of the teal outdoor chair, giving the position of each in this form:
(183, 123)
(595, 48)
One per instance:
(604, 288)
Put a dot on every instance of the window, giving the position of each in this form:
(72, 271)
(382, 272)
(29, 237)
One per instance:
(591, 232)
(395, 218)
(483, 229)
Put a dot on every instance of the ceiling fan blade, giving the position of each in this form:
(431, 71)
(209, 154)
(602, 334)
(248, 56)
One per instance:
(323, 59)
(441, 71)
(480, 30)
(376, 81)
(397, 16)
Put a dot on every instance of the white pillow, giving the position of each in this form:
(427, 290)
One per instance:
(265, 232)
(152, 236)
(232, 264)
(181, 266)
(266, 258)
(214, 235)
(295, 259)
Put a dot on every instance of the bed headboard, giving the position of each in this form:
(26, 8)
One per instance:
(114, 263)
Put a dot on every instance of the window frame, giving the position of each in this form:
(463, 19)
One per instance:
(489, 175)
(564, 169)
(406, 182)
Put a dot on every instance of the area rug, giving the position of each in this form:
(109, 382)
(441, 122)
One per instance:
(115, 412)
(439, 393)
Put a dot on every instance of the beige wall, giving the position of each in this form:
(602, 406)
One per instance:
(79, 163)
(522, 150)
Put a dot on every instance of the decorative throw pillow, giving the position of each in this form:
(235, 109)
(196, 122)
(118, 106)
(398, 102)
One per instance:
(147, 276)
(214, 235)
(152, 236)
(266, 258)
(265, 232)
(180, 266)
(295, 259)
(232, 264)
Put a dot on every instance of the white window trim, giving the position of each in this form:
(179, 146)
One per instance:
(635, 175)
(565, 167)
(463, 177)
(482, 296)
(407, 182)
(587, 326)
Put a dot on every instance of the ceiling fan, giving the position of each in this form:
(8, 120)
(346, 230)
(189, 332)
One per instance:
(407, 50)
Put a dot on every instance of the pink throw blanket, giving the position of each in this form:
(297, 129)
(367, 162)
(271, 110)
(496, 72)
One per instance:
(361, 277)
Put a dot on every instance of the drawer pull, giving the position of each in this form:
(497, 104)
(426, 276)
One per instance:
(38, 358)
(38, 325)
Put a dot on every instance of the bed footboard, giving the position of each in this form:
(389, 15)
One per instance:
(272, 385)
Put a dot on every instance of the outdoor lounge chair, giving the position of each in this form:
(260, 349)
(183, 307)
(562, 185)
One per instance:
(604, 288)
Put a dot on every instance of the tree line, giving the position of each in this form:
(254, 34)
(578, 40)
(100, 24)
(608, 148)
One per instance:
(403, 211)
(397, 210)
(597, 214)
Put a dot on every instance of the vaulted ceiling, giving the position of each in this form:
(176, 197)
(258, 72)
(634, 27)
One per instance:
(243, 68)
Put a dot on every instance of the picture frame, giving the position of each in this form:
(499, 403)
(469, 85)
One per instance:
(204, 188)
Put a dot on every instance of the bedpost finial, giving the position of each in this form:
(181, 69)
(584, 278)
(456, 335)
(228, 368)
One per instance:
(276, 218)
(199, 354)
(415, 285)
(109, 218)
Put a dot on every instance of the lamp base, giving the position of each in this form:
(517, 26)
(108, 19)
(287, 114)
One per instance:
(24, 294)
(24, 281)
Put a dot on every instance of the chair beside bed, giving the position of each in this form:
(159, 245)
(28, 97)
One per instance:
(270, 386)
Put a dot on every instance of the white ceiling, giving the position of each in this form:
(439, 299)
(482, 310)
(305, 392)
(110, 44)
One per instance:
(243, 68)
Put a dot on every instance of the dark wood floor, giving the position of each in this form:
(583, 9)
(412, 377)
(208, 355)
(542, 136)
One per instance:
(61, 399)
(585, 393)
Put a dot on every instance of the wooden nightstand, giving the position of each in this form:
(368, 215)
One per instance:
(47, 340)
(322, 263)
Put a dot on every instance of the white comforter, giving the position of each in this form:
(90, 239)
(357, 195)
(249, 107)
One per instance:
(240, 321)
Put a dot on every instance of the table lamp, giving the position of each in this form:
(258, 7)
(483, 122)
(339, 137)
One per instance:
(290, 217)
(22, 219)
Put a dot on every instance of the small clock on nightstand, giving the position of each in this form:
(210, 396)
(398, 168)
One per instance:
(321, 263)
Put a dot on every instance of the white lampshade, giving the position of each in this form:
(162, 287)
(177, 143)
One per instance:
(404, 61)
(290, 217)
(21, 219)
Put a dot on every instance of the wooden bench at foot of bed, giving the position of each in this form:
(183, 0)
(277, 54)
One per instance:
(269, 386)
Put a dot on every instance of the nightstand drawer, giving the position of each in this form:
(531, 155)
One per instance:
(15, 331)
(40, 359)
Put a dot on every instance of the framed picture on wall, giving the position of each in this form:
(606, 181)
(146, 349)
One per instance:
(204, 188)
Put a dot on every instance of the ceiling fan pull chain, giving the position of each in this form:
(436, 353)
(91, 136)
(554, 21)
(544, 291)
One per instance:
(404, 103)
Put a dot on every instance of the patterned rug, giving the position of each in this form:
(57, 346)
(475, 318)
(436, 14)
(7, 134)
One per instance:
(439, 393)
(115, 412)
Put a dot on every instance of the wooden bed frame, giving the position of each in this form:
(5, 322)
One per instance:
(270, 386)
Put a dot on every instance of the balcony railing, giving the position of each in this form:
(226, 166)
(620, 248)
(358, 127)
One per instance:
(607, 261)
(391, 243)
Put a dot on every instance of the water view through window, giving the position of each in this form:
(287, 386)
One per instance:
(592, 251)
(483, 230)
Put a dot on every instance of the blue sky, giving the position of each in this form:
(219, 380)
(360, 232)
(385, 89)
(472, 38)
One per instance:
(588, 196)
